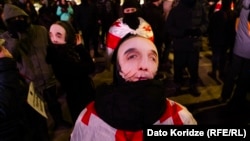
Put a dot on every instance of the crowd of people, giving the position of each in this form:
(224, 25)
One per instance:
(51, 48)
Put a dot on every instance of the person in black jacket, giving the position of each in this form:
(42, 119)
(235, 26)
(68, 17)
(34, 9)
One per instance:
(10, 122)
(16, 116)
(87, 22)
(221, 35)
(186, 24)
(72, 65)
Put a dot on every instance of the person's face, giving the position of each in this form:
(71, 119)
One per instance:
(57, 34)
(138, 59)
(129, 10)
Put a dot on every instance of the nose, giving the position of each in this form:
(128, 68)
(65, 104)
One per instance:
(143, 64)
(53, 40)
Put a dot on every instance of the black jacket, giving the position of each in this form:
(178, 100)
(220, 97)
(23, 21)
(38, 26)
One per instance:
(12, 98)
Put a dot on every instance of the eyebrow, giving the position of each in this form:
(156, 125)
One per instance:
(154, 52)
(129, 50)
(58, 34)
(133, 49)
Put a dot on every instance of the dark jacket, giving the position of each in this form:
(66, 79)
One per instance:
(183, 19)
(154, 16)
(29, 50)
(86, 15)
(11, 102)
(68, 68)
(221, 29)
(72, 67)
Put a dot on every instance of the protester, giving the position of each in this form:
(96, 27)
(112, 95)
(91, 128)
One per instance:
(28, 7)
(87, 22)
(221, 35)
(72, 65)
(11, 99)
(186, 23)
(27, 43)
(64, 10)
(121, 111)
(236, 88)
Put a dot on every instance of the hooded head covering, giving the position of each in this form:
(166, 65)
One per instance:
(15, 25)
(11, 11)
(131, 19)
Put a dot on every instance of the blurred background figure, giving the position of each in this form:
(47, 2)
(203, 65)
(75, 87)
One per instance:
(221, 35)
(108, 14)
(186, 23)
(47, 13)
(236, 84)
(87, 23)
(12, 99)
(166, 61)
(64, 10)
(29, 8)
(2, 24)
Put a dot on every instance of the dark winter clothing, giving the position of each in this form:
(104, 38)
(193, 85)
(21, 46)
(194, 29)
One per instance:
(11, 102)
(185, 24)
(86, 15)
(73, 66)
(27, 43)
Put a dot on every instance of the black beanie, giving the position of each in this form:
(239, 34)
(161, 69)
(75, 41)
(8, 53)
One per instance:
(130, 4)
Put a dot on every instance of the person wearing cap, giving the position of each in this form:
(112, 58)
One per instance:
(122, 111)
(130, 22)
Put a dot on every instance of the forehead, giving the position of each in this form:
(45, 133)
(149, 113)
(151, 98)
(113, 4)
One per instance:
(55, 28)
(139, 43)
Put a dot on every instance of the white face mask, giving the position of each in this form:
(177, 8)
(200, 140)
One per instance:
(57, 34)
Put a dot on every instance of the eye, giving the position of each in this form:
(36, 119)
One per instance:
(59, 36)
(131, 56)
(153, 58)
